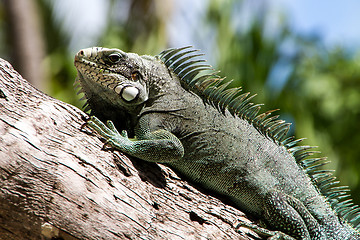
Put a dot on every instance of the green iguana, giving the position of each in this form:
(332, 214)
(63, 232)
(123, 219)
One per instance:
(178, 111)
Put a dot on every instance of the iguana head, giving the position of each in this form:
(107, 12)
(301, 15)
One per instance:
(114, 75)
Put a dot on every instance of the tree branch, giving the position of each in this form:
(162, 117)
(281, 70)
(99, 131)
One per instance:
(57, 182)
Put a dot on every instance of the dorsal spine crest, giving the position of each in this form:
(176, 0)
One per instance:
(200, 78)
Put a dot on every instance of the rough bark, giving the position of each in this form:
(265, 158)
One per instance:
(57, 182)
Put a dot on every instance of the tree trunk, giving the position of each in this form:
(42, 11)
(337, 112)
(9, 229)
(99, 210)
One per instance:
(25, 36)
(58, 183)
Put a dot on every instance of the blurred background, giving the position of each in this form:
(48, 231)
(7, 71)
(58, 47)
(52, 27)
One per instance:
(300, 56)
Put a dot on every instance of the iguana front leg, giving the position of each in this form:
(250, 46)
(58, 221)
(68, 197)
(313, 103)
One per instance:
(158, 146)
(153, 146)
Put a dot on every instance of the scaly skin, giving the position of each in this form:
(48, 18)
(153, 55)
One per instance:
(223, 153)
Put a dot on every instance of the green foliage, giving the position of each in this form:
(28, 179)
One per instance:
(319, 91)
(142, 32)
(328, 85)
(246, 55)
(59, 61)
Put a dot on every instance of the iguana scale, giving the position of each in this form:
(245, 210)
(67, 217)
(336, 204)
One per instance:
(178, 111)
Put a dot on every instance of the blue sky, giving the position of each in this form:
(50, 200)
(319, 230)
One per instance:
(337, 22)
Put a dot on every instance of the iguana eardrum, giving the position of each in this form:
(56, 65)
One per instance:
(181, 113)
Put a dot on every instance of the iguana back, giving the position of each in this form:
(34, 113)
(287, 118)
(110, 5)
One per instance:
(186, 117)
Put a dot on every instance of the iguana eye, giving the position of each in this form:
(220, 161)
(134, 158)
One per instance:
(114, 57)
(135, 76)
